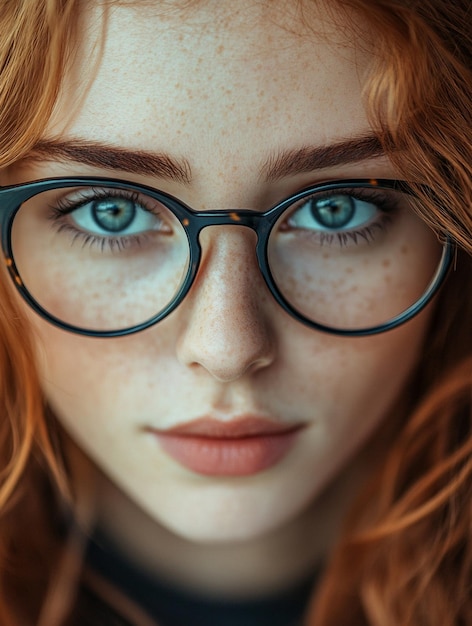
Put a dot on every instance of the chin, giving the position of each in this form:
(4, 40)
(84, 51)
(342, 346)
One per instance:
(242, 531)
(230, 518)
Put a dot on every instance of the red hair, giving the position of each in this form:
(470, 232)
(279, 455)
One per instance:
(405, 556)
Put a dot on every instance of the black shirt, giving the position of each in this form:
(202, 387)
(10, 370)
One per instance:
(171, 606)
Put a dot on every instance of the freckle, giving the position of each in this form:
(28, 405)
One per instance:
(349, 270)
(325, 255)
(220, 49)
(386, 262)
(404, 249)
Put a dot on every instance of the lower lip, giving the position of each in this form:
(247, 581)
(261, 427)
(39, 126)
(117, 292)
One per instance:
(228, 457)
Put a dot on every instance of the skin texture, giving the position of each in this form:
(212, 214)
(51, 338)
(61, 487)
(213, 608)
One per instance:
(223, 89)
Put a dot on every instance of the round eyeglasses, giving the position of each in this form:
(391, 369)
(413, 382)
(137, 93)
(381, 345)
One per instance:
(106, 258)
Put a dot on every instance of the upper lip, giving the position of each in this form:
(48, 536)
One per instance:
(238, 427)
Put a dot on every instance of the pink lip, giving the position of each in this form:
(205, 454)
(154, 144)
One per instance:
(240, 447)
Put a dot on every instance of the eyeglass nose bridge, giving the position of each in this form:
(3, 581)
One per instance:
(259, 222)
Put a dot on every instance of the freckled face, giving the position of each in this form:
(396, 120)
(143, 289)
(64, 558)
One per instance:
(223, 90)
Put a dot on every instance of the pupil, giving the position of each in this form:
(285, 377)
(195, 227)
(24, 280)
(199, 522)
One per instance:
(113, 214)
(333, 212)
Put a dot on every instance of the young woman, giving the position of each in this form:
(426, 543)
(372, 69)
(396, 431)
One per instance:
(235, 313)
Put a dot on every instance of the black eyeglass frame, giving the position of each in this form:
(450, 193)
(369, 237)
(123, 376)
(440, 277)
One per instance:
(193, 222)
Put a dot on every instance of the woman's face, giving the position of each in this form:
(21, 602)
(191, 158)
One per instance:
(223, 89)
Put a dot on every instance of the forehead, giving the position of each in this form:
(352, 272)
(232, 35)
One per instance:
(214, 79)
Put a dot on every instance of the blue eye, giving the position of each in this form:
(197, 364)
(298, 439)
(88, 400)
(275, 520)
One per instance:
(334, 211)
(331, 213)
(113, 215)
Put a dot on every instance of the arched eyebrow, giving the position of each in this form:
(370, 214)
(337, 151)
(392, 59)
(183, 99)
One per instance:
(279, 165)
(309, 159)
(110, 157)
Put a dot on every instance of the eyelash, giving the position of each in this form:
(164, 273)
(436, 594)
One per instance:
(386, 205)
(65, 207)
(367, 234)
(104, 244)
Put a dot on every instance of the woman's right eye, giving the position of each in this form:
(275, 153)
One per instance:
(113, 215)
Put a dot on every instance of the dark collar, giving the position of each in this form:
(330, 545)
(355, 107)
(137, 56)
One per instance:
(171, 606)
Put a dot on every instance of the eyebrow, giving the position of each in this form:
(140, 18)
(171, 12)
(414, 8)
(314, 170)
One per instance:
(110, 157)
(279, 165)
(309, 159)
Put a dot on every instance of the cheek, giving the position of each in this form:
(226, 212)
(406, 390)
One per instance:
(96, 382)
(112, 291)
(347, 389)
(347, 385)
(355, 281)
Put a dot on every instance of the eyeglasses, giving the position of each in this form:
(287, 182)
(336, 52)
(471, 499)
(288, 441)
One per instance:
(105, 258)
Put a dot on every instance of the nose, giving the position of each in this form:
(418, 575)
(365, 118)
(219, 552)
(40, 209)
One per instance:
(226, 325)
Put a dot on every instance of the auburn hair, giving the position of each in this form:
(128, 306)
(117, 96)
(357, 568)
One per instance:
(405, 555)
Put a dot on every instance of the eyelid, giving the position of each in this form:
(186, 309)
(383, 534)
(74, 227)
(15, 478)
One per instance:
(77, 201)
(68, 203)
(384, 199)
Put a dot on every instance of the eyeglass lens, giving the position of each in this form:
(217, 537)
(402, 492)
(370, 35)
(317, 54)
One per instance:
(105, 259)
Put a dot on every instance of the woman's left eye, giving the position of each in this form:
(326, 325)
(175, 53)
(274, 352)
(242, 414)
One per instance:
(113, 216)
(332, 213)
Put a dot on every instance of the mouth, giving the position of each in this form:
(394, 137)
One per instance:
(242, 446)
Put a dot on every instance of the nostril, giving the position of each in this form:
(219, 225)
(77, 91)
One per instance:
(227, 347)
